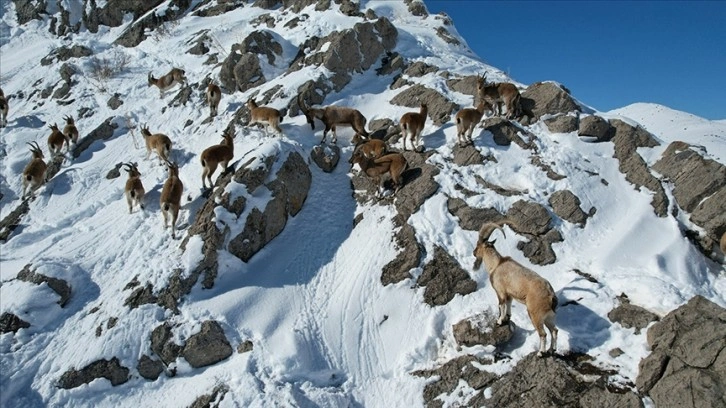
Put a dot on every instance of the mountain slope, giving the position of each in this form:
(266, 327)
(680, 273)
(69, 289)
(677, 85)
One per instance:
(324, 330)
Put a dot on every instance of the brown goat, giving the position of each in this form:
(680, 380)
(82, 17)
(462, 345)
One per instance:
(722, 244)
(70, 131)
(371, 148)
(158, 142)
(333, 116)
(34, 172)
(56, 140)
(466, 121)
(170, 200)
(3, 109)
(212, 156)
(264, 115)
(511, 280)
(134, 189)
(393, 163)
(412, 125)
(498, 94)
(166, 82)
(214, 95)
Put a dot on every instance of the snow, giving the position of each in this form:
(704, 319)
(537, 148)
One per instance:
(325, 331)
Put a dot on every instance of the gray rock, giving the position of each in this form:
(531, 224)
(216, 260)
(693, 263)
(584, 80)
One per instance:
(267, 4)
(10, 323)
(12, 220)
(409, 257)
(207, 347)
(439, 107)
(481, 330)
(419, 69)
(687, 367)
(449, 375)
(111, 370)
(472, 218)
(211, 8)
(529, 218)
(445, 35)
(443, 279)
(104, 131)
(467, 155)
(64, 53)
(293, 180)
(30, 10)
(390, 64)
(562, 123)
(418, 185)
(505, 132)
(213, 399)
(59, 286)
(466, 85)
(137, 31)
(627, 140)
(567, 206)
(115, 101)
(149, 368)
(141, 296)
(112, 13)
(245, 347)
(597, 127)
(326, 157)
(629, 315)
(162, 344)
(543, 98)
(417, 8)
(539, 248)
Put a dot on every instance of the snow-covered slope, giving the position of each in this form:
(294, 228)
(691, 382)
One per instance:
(325, 331)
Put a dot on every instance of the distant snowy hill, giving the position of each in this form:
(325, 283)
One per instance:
(291, 284)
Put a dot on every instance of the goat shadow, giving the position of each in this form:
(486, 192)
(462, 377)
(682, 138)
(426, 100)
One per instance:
(27, 121)
(587, 330)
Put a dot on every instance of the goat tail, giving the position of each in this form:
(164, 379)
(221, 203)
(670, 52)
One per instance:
(132, 193)
(166, 207)
(554, 303)
(29, 177)
(204, 163)
(281, 118)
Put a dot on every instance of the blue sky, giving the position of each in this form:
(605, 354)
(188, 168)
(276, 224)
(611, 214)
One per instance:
(608, 53)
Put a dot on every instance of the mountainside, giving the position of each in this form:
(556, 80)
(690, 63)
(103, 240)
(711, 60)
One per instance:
(294, 282)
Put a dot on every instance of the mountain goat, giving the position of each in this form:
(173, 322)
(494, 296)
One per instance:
(170, 200)
(3, 109)
(214, 95)
(158, 142)
(56, 140)
(467, 119)
(134, 189)
(412, 125)
(34, 172)
(394, 164)
(333, 116)
(166, 82)
(70, 131)
(212, 156)
(498, 94)
(511, 280)
(264, 115)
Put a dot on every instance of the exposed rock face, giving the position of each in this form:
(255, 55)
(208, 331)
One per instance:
(410, 257)
(444, 278)
(419, 185)
(211, 8)
(567, 206)
(687, 365)
(547, 98)
(136, 33)
(562, 123)
(241, 70)
(439, 108)
(481, 329)
(30, 10)
(627, 140)
(211, 400)
(326, 157)
(59, 286)
(597, 127)
(149, 368)
(111, 370)
(10, 323)
(449, 376)
(162, 344)
(466, 85)
(699, 187)
(12, 220)
(472, 218)
(629, 315)
(207, 347)
(467, 155)
(65, 53)
(534, 221)
(505, 132)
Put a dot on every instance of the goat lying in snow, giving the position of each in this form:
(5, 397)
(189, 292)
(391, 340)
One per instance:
(511, 280)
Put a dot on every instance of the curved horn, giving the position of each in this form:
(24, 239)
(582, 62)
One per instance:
(487, 229)
(301, 103)
(36, 145)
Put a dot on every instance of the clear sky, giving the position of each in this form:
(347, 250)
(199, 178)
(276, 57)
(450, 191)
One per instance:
(608, 53)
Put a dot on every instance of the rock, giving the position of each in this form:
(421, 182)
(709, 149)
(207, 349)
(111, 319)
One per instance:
(597, 127)
(539, 248)
(115, 101)
(472, 218)
(418, 185)
(543, 98)
(467, 155)
(59, 286)
(466, 85)
(627, 140)
(439, 107)
(391, 63)
(64, 53)
(562, 123)
(162, 344)
(444, 278)
(207, 347)
(567, 206)
(145, 22)
(326, 157)
(111, 370)
(12, 220)
(293, 181)
(149, 368)
(417, 8)
(209, 8)
(629, 315)
(449, 376)
(481, 330)
(10, 323)
(505, 132)
(419, 69)
(687, 365)
(211, 400)
(529, 218)
(408, 258)
(30, 10)
(245, 347)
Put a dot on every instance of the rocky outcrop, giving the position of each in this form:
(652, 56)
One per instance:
(211, 8)
(566, 205)
(596, 127)
(542, 98)
(59, 286)
(111, 370)
(483, 330)
(687, 364)
(439, 107)
(326, 157)
(562, 123)
(241, 70)
(534, 222)
(449, 376)
(30, 10)
(208, 346)
(471, 218)
(212, 399)
(408, 258)
(627, 140)
(137, 31)
(444, 278)
(10, 323)
(149, 368)
(505, 132)
(631, 316)
(65, 53)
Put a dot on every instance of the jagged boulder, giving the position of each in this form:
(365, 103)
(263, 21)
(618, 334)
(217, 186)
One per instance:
(163, 345)
(504, 132)
(687, 364)
(566, 205)
(444, 278)
(466, 85)
(29, 10)
(64, 53)
(137, 31)
(111, 370)
(472, 218)
(419, 184)
(439, 107)
(483, 330)
(149, 368)
(596, 127)
(542, 98)
(212, 399)
(534, 221)
(449, 376)
(10, 323)
(467, 155)
(326, 157)
(699, 186)
(632, 316)
(562, 123)
(59, 286)
(241, 70)
(208, 346)
(627, 140)
(408, 258)
(211, 8)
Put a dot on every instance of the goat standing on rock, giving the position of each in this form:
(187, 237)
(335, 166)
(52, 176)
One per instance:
(265, 115)
(498, 94)
(333, 116)
(34, 172)
(393, 163)
(212, 156)
(511, 280)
